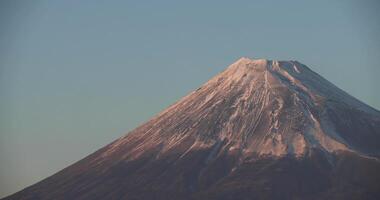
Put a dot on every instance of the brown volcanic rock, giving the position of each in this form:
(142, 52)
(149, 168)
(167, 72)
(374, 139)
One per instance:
(259, 130)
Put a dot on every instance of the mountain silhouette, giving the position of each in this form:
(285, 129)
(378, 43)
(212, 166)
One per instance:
(261, 129)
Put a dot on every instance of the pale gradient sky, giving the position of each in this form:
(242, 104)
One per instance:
(74, 75)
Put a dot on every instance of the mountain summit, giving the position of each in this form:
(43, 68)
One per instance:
(261, 129)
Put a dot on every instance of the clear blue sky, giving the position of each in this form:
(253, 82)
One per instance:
(74, 75)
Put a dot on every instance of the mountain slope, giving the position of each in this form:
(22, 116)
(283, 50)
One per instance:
(261, 129)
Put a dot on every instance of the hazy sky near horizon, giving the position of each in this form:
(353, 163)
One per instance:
(75, 75)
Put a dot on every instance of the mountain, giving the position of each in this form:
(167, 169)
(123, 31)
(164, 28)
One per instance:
(261, 129)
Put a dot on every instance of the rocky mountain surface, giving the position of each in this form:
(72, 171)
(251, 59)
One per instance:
(261, 129)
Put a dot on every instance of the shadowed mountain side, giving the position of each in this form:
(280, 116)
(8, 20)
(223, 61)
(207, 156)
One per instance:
(343, 176)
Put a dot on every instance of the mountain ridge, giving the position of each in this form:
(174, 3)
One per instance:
(242, 132)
